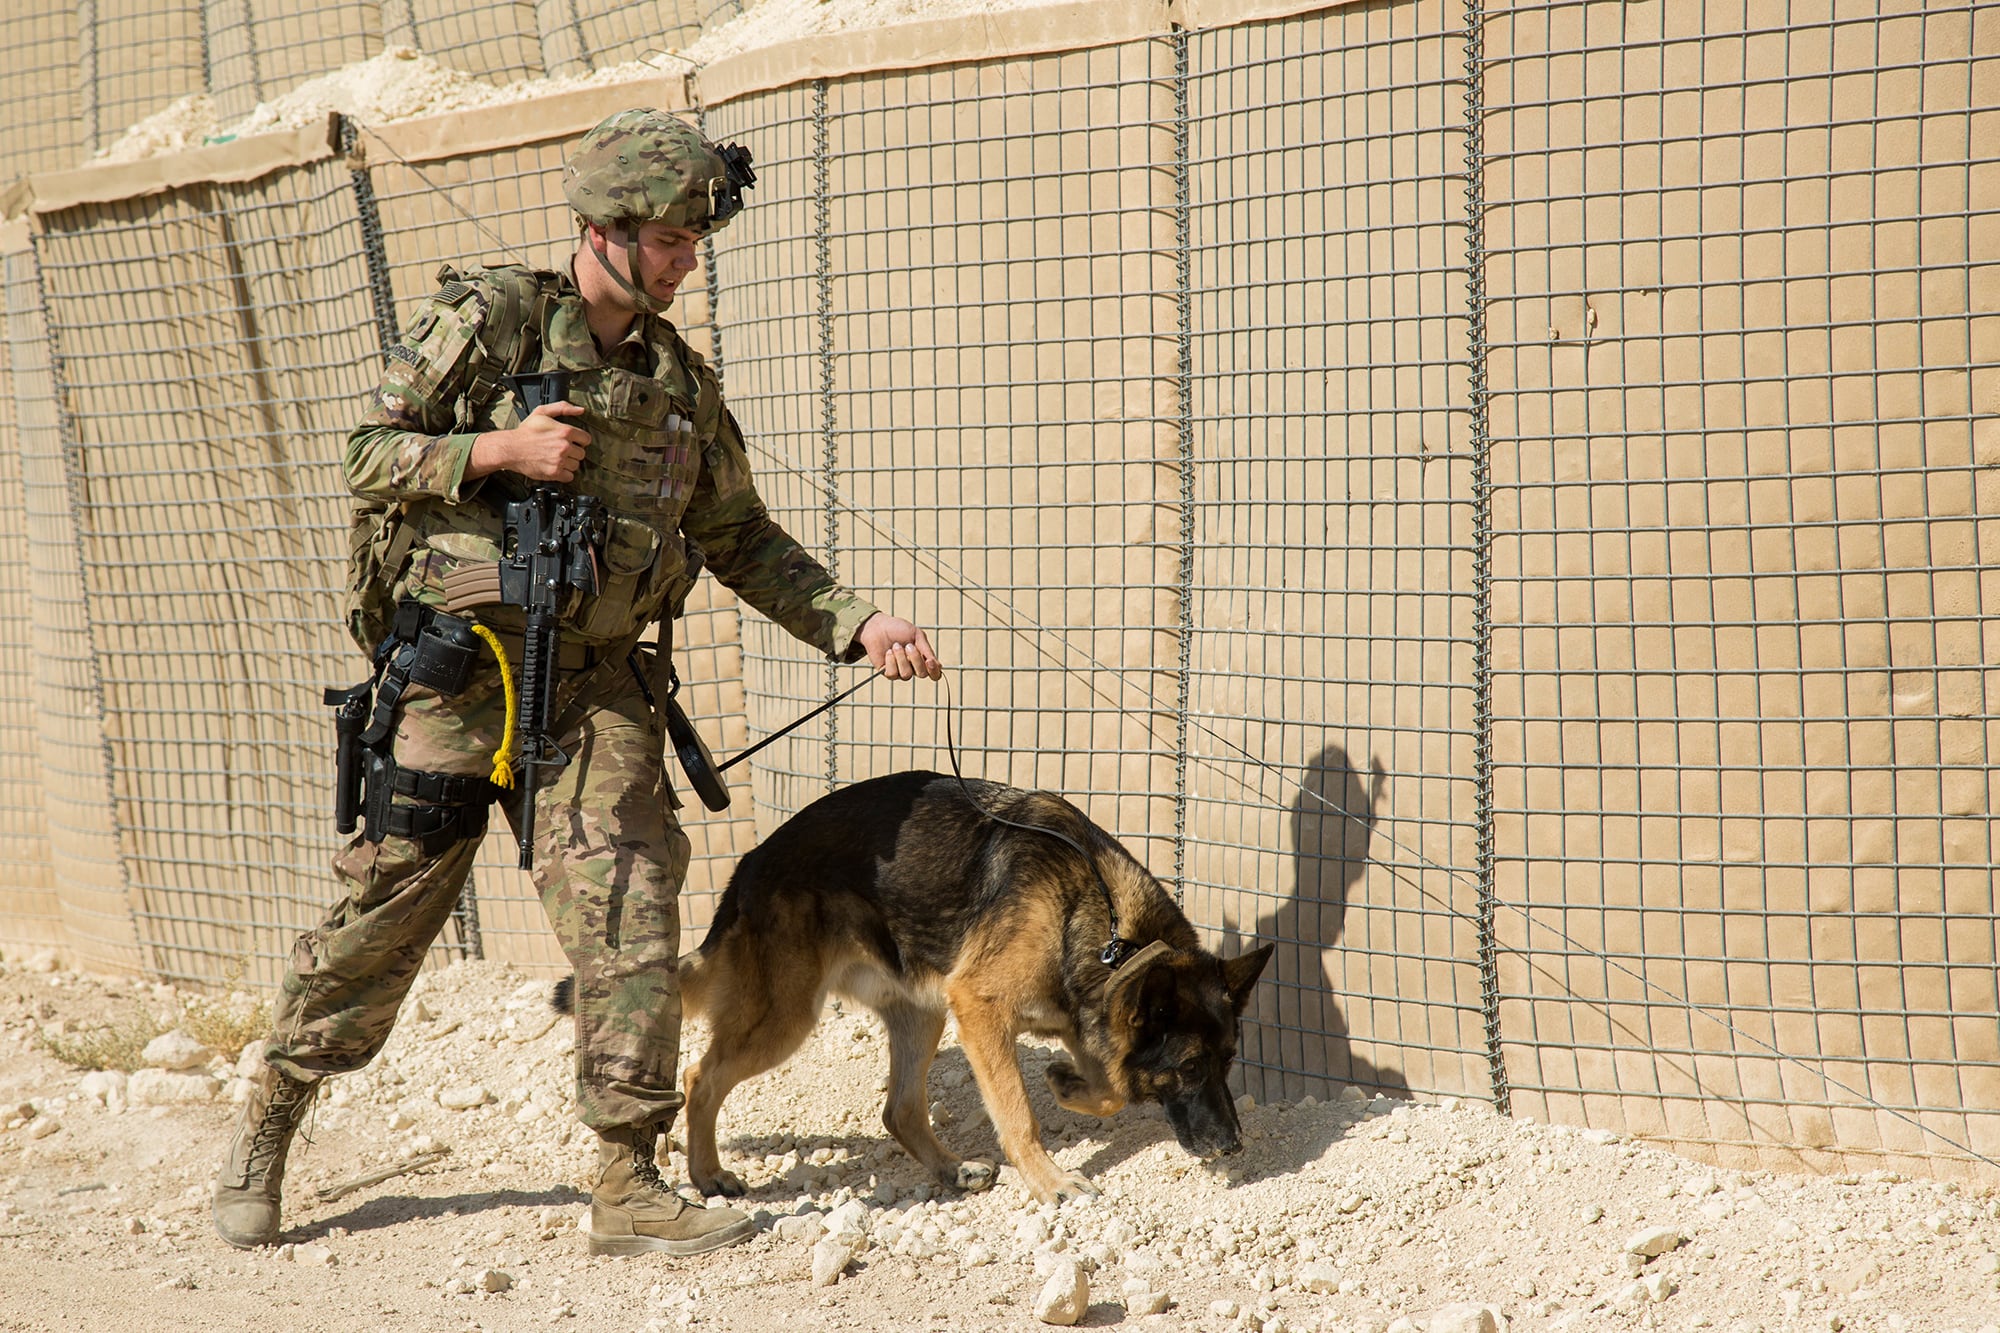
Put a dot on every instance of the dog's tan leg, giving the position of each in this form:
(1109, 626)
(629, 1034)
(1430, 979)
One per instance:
(913, 1038)
(988, 1040)
(742, 1046)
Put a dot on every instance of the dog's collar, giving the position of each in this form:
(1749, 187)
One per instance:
(1116, 952)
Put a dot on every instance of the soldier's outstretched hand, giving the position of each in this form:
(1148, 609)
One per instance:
(898, 649)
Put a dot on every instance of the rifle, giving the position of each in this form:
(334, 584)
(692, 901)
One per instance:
(552, 540)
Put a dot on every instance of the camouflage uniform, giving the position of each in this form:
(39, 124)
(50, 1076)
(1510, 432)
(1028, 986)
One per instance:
(668, 461)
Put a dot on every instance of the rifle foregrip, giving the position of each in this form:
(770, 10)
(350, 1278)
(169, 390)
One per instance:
(538, 672)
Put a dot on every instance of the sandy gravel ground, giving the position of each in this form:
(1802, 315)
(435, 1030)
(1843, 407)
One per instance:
(1343, 1217)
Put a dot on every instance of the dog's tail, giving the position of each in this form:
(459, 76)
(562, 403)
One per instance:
(693, 979)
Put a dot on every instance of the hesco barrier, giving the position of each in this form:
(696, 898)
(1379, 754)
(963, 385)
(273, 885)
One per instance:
(80, 72)
(1501, 505)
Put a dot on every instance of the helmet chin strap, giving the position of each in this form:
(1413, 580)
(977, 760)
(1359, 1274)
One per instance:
(650, 305)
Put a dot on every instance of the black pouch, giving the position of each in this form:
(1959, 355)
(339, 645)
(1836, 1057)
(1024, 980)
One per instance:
(447, 653)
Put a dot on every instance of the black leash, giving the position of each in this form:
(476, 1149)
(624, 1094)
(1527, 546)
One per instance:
(797, 723)
(1119, 948)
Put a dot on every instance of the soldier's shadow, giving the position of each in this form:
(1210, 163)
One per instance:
(1296, 1035)
(387, 1210)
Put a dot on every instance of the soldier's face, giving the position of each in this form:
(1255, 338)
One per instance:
(663, 257)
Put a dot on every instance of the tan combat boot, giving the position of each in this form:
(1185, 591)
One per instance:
(632, 1211)
(247, 1186)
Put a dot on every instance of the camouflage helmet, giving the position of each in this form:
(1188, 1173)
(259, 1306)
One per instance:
(645, 166)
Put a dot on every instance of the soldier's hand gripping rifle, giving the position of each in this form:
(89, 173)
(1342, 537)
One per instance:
(552, 540)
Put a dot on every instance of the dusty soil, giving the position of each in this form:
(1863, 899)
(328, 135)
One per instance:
(1344, 1216)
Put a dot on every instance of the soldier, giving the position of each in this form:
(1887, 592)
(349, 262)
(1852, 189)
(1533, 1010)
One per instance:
(644, 430)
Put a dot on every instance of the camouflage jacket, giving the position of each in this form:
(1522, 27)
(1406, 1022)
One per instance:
(665, 456)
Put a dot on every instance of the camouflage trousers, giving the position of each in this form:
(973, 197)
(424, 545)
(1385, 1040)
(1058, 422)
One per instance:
(610, 858)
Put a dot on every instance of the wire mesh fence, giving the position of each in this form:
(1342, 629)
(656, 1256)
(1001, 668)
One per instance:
(1744, 569)
(1497, 505)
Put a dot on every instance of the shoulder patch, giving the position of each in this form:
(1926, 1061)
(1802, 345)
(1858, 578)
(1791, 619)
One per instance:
(402, 352)
(454, 291)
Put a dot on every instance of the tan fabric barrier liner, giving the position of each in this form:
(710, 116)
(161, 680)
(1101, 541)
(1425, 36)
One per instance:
(236, 161)
(456, 134)
(13, 236)
(513, 124)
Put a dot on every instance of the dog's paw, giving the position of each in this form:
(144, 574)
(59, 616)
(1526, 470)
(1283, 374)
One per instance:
(1073, 1186)
(725, 1183)
(975, 1176)
(1058, 1186)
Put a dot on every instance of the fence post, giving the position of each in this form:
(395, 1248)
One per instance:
(1482, 539)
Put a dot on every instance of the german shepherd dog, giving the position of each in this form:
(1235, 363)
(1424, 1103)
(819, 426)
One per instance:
(906, 895)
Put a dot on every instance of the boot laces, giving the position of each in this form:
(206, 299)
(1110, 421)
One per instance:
(281, 1116)
(646, 1171)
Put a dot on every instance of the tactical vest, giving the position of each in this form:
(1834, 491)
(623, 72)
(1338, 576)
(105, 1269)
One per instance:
(647, 433)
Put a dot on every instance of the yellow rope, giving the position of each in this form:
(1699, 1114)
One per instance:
(503, 758)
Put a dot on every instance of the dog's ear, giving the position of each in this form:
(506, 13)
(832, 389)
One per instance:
(1239, 975)
(1126, 992)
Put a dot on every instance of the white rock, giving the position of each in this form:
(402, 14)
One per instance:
(1658, 1286)
(977, 1256)
(801, 1228)
(316, 1256)
(106, 1087)
(400, 1119)
(491, 1279)
(44, 960)
(160, 1087)
(849, 1220)
(458, 1286)
(176, 1050)
(1465, 1318)
(1654, 1242)
(1065, 1296)
(250, 1062)
(1140, 1298)
(464, 1097)
(830, 1256)
(1224, 1309)
(1323, 1278)
(42, 1126)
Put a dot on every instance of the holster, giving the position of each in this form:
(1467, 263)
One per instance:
(431, 648)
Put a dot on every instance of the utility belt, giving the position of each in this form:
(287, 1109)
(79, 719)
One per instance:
(428, 647)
